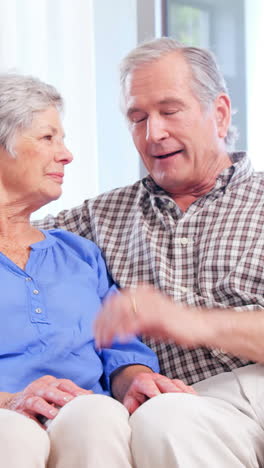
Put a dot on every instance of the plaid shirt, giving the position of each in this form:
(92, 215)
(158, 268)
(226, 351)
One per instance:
(212, 255)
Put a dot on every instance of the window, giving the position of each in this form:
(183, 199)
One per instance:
(219, 26)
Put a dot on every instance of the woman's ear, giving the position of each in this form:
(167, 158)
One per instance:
(223, 114)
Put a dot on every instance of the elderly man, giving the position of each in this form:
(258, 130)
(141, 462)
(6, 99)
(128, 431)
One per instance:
(194, 229)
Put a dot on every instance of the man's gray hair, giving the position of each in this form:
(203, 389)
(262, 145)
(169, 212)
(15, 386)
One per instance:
(20, 98)
(207, 83)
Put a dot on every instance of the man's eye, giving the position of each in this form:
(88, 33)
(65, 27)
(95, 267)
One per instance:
(170, 112)
(47, 137)
(137, 118)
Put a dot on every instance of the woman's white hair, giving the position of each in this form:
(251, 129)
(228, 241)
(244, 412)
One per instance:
(20, 98)
(207, 79)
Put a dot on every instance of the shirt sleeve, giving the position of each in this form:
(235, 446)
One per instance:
(126, 354)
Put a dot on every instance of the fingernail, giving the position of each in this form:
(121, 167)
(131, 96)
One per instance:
(53, 412)
(128, 403)
(67, 398)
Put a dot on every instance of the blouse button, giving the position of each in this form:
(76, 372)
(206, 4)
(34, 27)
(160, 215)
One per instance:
(38, 310)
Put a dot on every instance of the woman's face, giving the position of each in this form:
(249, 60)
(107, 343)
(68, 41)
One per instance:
(36, 174)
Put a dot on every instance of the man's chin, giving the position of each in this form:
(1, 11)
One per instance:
(169, 184)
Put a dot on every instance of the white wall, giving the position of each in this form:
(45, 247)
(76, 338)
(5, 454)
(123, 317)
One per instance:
(255, 72)
(115, 26)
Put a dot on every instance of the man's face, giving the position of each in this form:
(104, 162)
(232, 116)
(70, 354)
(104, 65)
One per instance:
(179, 141)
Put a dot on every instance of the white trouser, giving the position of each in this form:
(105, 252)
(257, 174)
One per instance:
(91, 431)
(222, 427)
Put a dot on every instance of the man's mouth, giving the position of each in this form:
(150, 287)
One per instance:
(168, 155)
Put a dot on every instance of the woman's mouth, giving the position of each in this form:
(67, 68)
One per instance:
(57, 176)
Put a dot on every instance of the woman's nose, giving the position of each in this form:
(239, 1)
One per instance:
(64, 155)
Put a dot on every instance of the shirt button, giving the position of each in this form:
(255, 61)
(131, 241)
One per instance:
(184, 289)
(184, 240)
(28, 279)
(35, 291)
(38, 310)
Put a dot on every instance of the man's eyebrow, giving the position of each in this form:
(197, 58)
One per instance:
(171, 100)
(163, 102)
(131, 110)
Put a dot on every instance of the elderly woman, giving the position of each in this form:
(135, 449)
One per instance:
(53, 283)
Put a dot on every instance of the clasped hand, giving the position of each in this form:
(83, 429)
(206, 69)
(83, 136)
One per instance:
(44, 397)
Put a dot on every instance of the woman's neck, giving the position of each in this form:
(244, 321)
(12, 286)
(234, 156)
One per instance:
(15, 223)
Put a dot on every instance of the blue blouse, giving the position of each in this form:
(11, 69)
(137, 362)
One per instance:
(47, 313)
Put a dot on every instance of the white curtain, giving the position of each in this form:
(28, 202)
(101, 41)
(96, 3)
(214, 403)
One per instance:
(54, 40)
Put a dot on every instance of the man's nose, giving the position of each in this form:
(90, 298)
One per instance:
(156, 129)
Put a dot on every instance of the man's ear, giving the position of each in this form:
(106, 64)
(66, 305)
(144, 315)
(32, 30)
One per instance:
(223, 114)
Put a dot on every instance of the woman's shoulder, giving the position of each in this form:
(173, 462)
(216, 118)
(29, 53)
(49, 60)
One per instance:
(80, 245)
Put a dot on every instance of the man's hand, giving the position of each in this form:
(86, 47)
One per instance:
(148, 385)
(42, 395)
(144, 310)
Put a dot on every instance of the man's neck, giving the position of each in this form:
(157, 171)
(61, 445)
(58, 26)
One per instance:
(184, 201)
(187, 196)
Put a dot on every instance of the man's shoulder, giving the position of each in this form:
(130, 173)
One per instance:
(120, 196)
(259, 176)
(121, 192)
(255, 183)
(82, 219)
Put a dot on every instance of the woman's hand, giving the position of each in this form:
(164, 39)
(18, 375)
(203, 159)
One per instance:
(43, 396)
(136, 311)
(148, 385)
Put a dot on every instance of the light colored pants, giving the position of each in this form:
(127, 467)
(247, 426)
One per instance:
(91, 431)
(222, 427)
